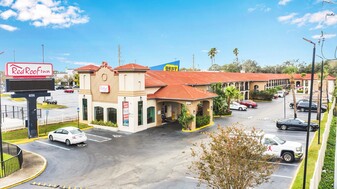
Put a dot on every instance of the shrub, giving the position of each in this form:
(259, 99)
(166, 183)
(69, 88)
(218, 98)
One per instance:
(202, 120)
(261, 95)
(299, 90)
(101, 122)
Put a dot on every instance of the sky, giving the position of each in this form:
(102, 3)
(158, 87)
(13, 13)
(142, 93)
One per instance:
(71, 34)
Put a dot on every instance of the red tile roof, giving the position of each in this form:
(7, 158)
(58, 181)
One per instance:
(308, 77)
(207, 78)
(87, 68)
(132, 67)
(153, 82)
(182, 92)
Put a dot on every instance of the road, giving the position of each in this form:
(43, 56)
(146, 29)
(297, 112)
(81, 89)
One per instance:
(155, 158)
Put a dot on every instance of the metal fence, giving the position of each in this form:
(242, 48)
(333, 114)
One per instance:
(12, 164)
(16, 112)
(316, 178)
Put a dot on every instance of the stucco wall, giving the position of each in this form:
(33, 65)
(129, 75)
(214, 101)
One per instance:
(104, 76)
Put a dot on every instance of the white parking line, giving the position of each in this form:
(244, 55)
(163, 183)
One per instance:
(52, 145)
(106, 138)
(191, 178)
(286, 164)
(282, 176)
(98, 138)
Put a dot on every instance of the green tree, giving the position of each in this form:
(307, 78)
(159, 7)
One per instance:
(219, 102)
(214, 67)
(291, 71)
(185, 118)
(212, 54)
(251, 66)
(232, 67)
(233, 159)
(231, 93)
(76, 79)
(236, 53)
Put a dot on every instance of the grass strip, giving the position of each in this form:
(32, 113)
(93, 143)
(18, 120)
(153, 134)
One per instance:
(314, 147)
(21, 135)
(327, 179)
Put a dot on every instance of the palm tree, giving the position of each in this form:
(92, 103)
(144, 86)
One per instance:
(236, 52)
(212, 54)
(291, 70)
(231, 92)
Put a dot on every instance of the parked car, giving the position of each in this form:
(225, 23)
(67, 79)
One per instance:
(281, 94)
(68, 135)
(50, 101)
(304, 106)
(68, 90)
(291, 105)
(249, 103)
(59, 87)
(237, 106)
(295, 124)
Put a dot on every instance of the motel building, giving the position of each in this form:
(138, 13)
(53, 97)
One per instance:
(137, 98)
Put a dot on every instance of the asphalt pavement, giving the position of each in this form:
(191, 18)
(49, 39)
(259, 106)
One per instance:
(155, 158)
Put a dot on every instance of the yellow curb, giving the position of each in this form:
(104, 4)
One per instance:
(31, 177)
(217, 116)
(190, 131)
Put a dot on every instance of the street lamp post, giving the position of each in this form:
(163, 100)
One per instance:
(1, 149)
(284, 106)
(320, 103)
(78, 117)
(309, 115)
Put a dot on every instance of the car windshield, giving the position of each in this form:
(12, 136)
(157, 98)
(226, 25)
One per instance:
(279, 140)
(76, 131)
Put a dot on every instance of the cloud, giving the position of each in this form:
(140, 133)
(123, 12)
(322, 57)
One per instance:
(67, 61)
(8, 27)
(326, 36)
(259, 7)
(286, 17)
(319, 19)
(7, 14)
(283, 2)
(6, 3)
(42, 13)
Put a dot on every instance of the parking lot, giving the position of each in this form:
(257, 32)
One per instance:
(155, 158)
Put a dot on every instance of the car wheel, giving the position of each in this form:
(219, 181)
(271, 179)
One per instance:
(68, 142)
(51, 138)
(288, 157)
(284, 127)
(312, 128)
(302, 109)
(240, 109)
(250, 106)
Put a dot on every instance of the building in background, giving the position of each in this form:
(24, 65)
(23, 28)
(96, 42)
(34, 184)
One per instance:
(171, 66)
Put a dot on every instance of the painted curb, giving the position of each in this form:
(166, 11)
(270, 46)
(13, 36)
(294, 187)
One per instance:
(31, 177)
(191, 131)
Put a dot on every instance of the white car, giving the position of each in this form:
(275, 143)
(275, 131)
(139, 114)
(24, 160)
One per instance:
(237, 106)
(68, 135)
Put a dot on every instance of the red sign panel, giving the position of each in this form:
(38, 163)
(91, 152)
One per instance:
(125, 113)
(28, 70)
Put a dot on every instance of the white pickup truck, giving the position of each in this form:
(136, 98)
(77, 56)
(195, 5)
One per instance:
(287, 150)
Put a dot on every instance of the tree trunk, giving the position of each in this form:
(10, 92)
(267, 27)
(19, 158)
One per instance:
(294, 98)
(318, 116)
(327, 92)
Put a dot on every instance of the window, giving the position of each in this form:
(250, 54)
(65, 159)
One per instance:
(99, 113)
(85, 109)
(150, 114)
(112, 115)
(140, 113)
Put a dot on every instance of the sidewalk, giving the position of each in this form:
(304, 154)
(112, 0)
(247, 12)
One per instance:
(33, 165)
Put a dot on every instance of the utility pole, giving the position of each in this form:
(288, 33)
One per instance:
(119, 55)
(193, 61)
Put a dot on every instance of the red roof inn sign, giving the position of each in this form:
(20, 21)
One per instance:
(28, 70)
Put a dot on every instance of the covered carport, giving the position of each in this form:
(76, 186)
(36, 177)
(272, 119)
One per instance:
(170, 99)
